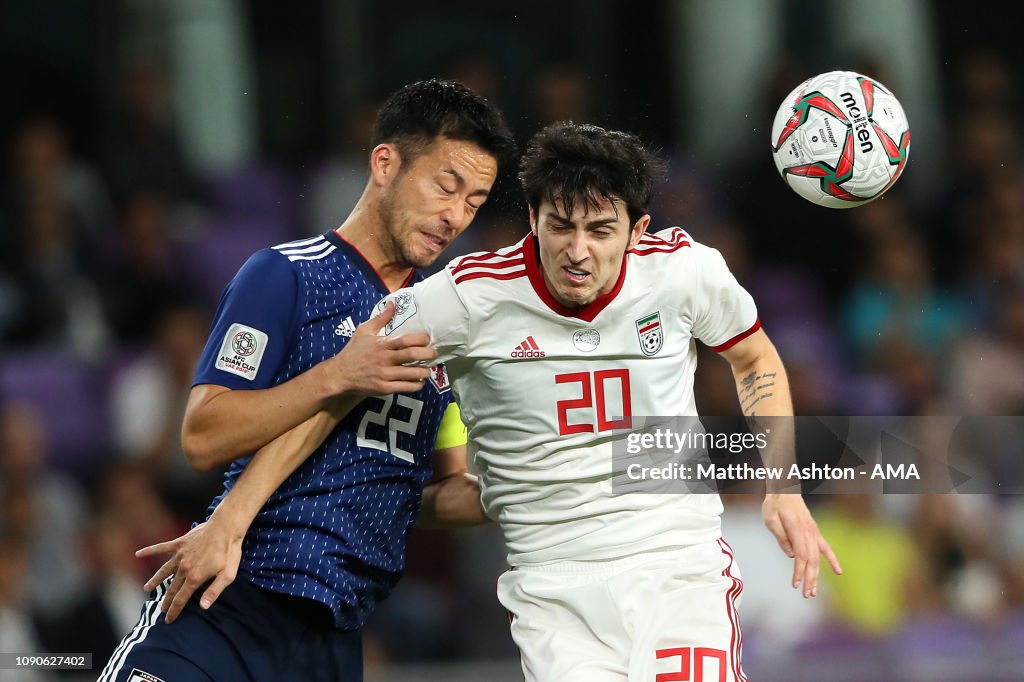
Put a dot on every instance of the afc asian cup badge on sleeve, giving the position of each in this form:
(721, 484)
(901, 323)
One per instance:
(648, 329)
(405, 307)
(241, 351)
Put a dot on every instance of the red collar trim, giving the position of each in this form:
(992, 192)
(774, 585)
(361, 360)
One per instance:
(588, 312)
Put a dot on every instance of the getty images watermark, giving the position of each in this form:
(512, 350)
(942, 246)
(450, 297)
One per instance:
(820, 455)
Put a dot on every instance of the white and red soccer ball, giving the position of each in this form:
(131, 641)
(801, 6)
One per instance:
(840, 139)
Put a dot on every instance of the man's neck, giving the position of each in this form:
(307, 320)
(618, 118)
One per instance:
(366, 235)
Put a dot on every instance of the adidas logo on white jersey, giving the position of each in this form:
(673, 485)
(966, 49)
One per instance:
(528, 349)
(345, 328)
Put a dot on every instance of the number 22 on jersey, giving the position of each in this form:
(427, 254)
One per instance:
(600, 401)
(392, 423)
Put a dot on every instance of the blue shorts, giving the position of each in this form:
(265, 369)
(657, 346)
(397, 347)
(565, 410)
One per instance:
(248, 635)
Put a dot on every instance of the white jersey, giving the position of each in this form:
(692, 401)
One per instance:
(544, 389)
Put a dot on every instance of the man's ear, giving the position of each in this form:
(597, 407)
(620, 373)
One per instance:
(638, 230)
(385, 161)
(533, 221)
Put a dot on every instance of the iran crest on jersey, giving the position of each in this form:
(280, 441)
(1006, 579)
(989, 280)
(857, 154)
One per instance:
(544, 389)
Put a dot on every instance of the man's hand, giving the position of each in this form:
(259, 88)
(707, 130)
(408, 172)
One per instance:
(210, 550)
(377, 365)
(788, 518)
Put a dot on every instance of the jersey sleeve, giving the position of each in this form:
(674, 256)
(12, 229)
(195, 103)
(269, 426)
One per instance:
(432, 306)
(726, 313)
(451, 432)
(253, 326)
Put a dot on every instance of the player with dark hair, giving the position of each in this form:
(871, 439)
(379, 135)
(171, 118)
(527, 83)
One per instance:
(606, 586)
(553, 345)
(570, 162)
(291, 340)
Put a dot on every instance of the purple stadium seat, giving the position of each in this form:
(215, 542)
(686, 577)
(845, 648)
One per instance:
(809, 342)
(71, 399)
(259, 192)
(835, 637)
(832, 652)
(215, 257)
(1004, 640)
(869, 395)
(788, 296)
(942, 648)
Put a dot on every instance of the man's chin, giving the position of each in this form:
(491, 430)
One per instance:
(420, 258)
(421, 261)
(575, 300)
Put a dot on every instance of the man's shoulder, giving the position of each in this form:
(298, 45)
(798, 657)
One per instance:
(672, 247)
(668, 241)
(503, 265)
(317, 266)
(324, 260)
(283, 259)
(663, 255)
(302, 250)
(267, 267)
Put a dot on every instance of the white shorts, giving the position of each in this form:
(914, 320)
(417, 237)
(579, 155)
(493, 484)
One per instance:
(654, 617)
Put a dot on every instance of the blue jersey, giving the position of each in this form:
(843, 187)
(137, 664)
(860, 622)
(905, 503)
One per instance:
(335, 531)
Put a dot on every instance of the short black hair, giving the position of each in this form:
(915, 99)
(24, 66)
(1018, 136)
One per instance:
(417, 114)
(568, 162)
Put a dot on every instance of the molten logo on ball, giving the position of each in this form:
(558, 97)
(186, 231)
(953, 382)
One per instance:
(862, 158)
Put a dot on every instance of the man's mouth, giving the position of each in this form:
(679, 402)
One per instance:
(576, 276)
(433, 242)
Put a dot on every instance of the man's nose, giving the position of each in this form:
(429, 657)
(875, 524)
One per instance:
(578, 250)
(454, 214)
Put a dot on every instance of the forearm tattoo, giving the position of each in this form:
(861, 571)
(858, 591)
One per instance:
(753, 389)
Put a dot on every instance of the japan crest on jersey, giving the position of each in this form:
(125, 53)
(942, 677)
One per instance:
(439, 378)
(648, 328)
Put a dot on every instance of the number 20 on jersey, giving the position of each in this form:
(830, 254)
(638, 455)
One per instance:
(600, 402)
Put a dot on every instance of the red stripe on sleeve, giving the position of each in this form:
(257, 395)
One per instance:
(739, 337)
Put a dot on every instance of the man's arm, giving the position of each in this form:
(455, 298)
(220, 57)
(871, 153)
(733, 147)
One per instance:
(221, 424)
(764, 391)
(213, 549)
(452, 497)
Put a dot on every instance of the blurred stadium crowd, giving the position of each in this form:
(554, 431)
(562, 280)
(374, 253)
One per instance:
(111, 265)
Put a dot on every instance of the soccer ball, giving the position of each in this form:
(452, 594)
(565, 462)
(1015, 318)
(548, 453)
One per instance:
(840, 139)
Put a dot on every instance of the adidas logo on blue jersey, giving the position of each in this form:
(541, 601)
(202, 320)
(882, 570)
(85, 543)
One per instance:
(345, 328)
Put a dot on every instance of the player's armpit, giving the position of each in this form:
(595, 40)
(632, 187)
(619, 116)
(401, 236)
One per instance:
(452, 497)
